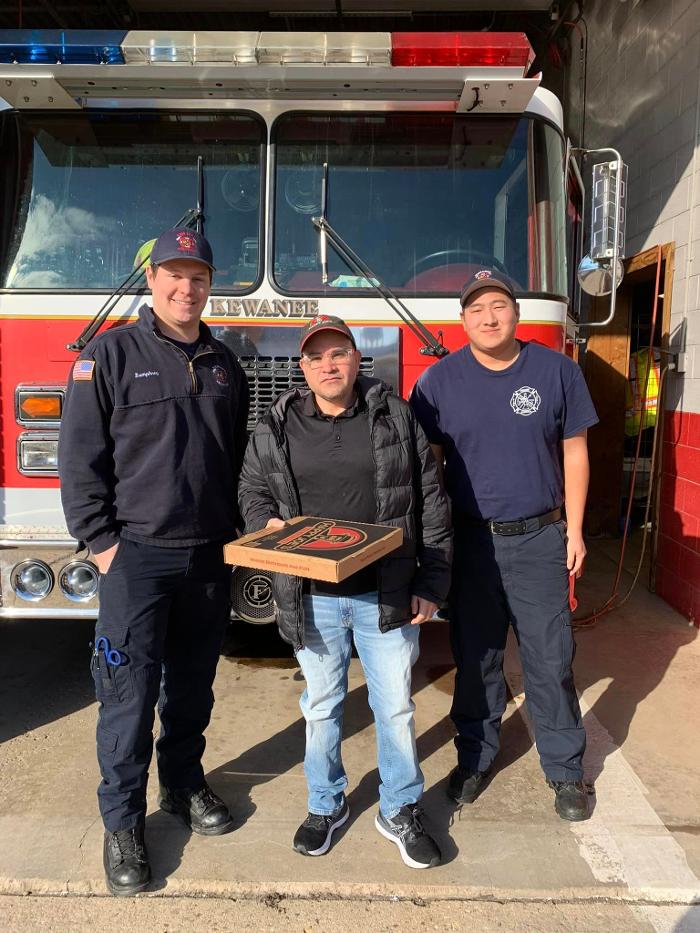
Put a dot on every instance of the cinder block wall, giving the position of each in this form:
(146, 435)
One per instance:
(643, 98)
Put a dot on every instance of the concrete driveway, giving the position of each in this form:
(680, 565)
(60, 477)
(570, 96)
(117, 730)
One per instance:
(638, 672)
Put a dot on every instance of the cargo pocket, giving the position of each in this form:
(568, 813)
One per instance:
(106, 745)
(568, 711)
(113, 683)
(568, 645)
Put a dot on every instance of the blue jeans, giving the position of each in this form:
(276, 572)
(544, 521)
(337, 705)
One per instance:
(330, 625)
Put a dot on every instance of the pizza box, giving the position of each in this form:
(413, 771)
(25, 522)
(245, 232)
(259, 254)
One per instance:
(318, 548)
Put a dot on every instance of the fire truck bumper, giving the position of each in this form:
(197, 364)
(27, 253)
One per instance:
(43, 575)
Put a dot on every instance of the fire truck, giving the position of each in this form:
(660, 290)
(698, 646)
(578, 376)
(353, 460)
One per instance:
(365, 175)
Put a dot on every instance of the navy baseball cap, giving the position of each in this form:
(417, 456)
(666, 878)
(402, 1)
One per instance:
(325, 322)
(182, 243)
(487, 278)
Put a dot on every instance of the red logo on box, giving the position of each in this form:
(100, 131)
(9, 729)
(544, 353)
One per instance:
(322, 536)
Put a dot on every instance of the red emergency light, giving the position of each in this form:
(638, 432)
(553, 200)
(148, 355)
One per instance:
(472, 49)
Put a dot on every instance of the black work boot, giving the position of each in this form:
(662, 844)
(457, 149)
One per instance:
(202, 810)
(465, 786)
(570, 800)
(126, 861)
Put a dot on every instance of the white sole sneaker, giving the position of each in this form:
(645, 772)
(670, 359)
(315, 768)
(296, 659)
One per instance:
(406, 858)
(343, 818)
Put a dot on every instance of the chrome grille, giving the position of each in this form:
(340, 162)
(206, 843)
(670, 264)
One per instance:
(269, 376)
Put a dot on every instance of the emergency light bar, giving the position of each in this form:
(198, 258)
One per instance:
(59, 47)
(412, 49)
(477, 70)
(470, 49)
(251, 48)
(190, 48)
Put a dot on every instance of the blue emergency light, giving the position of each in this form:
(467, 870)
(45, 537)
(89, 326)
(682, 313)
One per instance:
(61, 46)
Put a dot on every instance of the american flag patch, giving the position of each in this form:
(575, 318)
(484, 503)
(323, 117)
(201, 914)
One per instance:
(83, 369)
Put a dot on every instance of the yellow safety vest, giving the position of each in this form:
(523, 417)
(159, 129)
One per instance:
(639, 366)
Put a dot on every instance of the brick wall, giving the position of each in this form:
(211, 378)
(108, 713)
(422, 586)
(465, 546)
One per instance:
(678, 556)
(643, 98)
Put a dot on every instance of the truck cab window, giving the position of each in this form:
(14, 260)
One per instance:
(426, 199)
(88, 189)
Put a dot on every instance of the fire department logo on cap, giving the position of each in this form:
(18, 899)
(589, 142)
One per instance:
(487, 278)
(182, 243)
(185, 241)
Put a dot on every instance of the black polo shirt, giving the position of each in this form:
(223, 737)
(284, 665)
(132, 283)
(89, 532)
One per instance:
(333, 467)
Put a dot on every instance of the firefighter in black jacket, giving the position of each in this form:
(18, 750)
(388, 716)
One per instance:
(152, 440)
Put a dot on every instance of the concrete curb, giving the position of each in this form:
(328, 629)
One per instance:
(294, 890)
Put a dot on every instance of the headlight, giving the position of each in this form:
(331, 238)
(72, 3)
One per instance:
(78, 581)
(37, 454)
(32, 580)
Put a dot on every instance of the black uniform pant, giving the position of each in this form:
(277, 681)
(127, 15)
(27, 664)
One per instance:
(165, 611)
(518, 580)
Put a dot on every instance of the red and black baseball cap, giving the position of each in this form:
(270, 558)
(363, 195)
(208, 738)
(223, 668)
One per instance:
(182, 243)
(487, 278)
(325, 322)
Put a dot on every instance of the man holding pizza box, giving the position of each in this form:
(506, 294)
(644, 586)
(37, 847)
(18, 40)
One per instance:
(347, 449)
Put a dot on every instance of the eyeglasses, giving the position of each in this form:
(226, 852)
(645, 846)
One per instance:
(340, 356)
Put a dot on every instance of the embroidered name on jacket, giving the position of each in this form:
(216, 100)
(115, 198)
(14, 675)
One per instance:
(150, 372)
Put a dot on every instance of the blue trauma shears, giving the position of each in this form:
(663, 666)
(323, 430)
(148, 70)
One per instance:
(112, 656)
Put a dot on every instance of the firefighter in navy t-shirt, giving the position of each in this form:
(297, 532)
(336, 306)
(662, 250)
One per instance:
(509, 419)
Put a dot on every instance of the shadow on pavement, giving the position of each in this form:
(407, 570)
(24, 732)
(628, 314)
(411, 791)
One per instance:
(44, 672)
(632, 648)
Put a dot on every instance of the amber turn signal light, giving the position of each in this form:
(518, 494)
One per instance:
(40, 407)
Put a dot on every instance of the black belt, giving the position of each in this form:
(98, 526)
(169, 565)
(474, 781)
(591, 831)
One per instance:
(521, 527)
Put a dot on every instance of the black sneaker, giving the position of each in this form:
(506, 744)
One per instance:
(126, 862)
(465, 786)
(314, 835)
(417, 848)
(202, 810)
(570, 800)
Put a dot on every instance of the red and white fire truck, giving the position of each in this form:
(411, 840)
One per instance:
(360, 174)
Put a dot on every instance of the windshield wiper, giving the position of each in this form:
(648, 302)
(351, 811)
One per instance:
(431, 345)
(193, 217)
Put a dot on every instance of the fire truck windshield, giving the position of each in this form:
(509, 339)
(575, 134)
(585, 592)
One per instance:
(425, 199)
(89, 188)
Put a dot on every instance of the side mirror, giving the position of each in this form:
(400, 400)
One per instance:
(595, 276)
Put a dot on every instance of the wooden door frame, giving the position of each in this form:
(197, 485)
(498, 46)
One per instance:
(607, 359)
